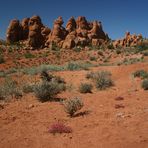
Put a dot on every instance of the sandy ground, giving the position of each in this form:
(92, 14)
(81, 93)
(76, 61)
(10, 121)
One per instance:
(25, 123)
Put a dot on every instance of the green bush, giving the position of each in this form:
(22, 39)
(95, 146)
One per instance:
(73, 105)
(73, 66)
(118, 51)
(141, 73)
(28, 88)
(90, 75)
(132, 61)
(47, 91)
(102, 79)
(85, 88)
(142, 47)
(1, 94)
(77, 66)
(145, 53)
(50, 77)
(39, 69)
(45, 76)
(10, 88)
(1, 59)
(145, 84)
(77, 49)
(29, 55)
(54, 47)
(92, 58)
(2, 73)
(110, 46)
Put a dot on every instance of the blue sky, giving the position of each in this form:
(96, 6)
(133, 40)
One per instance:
(117, 16)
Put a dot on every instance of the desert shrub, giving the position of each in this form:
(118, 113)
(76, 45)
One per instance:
(1, 94)
(141, 73)
(118, 51)
(110, 46)
(2, 73)
(90, 75)
(28, 88)
(78, 66)
(10, 88)
(100, 53)
(54, 47)
(73, 105)
(1, 50)
(47, 91)
(85, 88)
(73, 66)
(45, 76)
(39, 69)
(142, 46)
(70, 87)
(145, 53)
(29, 55)
(12, 70)
(50, 77)
(59, 128)
(1, 59)
(59, 80)
(145, 84)
(3, 42)
(92, 58)
(77, 49)
(103, 80)
(132, 61)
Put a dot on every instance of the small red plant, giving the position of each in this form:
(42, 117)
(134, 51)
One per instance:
(59, 128)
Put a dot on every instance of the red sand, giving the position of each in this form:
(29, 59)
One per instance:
(25, 123)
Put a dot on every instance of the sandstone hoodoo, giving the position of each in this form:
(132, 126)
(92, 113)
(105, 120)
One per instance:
(31, 30)
(14, 31)
(58, 33)
(71, 25)
(35, 38)
(77, 32)
(129, 40)
(25, 28)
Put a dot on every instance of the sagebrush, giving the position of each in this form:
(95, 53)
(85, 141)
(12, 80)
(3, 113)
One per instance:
(85, 88)
(73, 105)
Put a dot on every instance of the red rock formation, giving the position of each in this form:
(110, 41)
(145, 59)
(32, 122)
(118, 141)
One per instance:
(82, 23)
(128, 41)
(69, 41)
(45, 31)
(79, 32)
(96, 32)
(35, 38)
(14, 31)
(25, 28)
(58, 32)
(71, 25)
